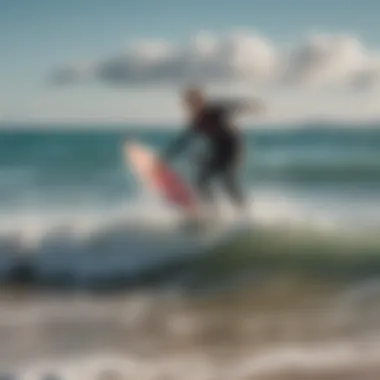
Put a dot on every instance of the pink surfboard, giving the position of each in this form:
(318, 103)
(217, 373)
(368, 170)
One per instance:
(158, 176)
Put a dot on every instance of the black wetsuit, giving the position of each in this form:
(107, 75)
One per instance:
(224, 150)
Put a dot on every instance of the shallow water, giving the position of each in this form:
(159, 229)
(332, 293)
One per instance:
(292, 326)
(95, 276)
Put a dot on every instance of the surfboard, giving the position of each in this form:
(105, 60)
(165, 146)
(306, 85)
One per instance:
(159, 177)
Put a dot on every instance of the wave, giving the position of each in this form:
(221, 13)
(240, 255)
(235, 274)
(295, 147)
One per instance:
(52, 160)
(346, 172)
(145, 249)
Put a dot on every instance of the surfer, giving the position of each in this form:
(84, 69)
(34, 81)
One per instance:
(224, 145)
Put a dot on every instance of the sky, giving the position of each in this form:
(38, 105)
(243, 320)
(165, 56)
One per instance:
(76, 61)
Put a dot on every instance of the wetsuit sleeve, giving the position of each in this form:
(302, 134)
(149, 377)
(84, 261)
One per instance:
(179, 144)
(234, 107)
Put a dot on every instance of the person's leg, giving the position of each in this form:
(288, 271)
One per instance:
(205, 174)
(203, 178)
(232, 185)
(231, 177)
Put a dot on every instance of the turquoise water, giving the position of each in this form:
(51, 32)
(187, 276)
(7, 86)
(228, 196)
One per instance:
(68, 193)
(56, 166)
(298, 294)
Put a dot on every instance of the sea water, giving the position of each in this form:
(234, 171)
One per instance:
(303, 297)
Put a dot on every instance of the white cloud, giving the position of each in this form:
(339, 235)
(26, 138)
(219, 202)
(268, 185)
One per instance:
(327, 60)
(319, 60)
(369, 76)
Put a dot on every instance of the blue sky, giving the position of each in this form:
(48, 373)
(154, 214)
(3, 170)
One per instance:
(38, 36)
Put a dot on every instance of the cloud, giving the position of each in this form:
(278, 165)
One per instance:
(319, 60)
(369, 76)
(325, 60)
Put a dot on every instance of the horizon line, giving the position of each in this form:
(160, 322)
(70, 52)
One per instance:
(95, 124)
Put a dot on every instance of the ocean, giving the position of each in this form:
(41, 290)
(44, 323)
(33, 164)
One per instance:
(95, 277)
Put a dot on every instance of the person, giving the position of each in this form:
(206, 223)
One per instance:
(224, 146)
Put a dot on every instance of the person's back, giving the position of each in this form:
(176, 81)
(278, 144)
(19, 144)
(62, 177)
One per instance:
(214, 122)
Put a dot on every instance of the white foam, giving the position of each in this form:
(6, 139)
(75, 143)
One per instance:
(31, 226)
(305, 359)
(135, 235)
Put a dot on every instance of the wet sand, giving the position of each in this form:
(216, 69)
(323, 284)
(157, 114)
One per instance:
(292, 329)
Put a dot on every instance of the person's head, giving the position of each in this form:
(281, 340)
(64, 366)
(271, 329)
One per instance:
(194, 99)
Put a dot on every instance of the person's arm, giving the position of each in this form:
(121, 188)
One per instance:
(178, 144)
(239, 107)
